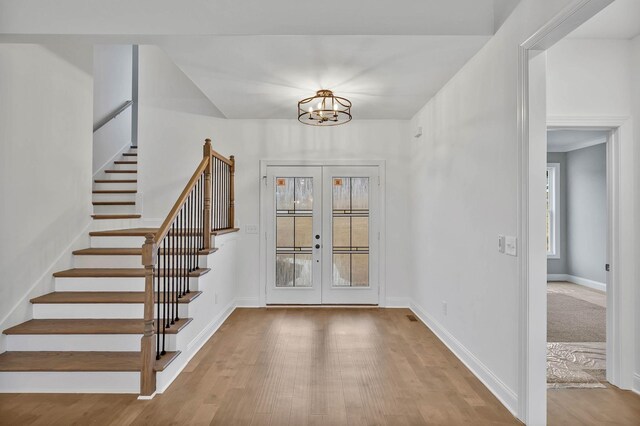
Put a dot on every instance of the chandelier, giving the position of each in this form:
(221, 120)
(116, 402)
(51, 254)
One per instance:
(324, 109)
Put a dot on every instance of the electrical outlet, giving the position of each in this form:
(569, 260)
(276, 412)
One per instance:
(251, 229)
(444, 308)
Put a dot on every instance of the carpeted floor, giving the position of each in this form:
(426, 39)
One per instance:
(573, 320)
(576, 336)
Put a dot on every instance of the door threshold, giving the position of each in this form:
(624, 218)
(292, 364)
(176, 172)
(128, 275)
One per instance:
(334, 305)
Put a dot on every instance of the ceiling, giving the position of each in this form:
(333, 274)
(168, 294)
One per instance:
(386, 77)
(621, 19)
(569, 140)
(257, 58)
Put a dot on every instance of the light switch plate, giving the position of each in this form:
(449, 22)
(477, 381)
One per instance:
(251, 229)
(511, 245)
(501, 243)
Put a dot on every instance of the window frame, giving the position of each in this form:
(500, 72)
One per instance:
(553, 169)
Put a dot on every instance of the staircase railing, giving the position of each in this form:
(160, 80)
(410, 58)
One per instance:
(170, 255)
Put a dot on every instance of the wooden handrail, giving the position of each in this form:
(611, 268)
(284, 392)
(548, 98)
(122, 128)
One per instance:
(176, 238)
(164, 228)
(221, 157)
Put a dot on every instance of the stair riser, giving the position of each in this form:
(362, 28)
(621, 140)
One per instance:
(118, 261)
(70, 382)
(104, 225)
(96, 310)
(124, 166)
(113, 186)
(114, 197)
(107, 284)
(82, 342)
(117, 242)
(114, 209)
(130, 173)
(74, 342)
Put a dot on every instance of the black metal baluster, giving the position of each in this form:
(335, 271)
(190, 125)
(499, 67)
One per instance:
(157, 278)
(218, 195)
(214, 200)
(172, 279)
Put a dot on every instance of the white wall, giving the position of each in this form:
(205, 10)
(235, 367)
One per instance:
(464, 184)
(112, 80)
(175, 118)
(589, 78)
(254, 140)
(45, 167)
(606, 92)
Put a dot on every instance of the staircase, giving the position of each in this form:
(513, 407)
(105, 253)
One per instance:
(114, 194)
(87, 335)
(92, 322)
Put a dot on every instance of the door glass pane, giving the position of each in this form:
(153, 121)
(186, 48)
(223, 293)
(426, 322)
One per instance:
(350, 231)
(294, 231)
(284, 232)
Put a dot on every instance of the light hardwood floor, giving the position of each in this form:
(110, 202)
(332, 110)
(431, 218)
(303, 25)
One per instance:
(313, 367)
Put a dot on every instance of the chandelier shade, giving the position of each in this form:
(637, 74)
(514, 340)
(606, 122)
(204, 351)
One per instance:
(324, 109)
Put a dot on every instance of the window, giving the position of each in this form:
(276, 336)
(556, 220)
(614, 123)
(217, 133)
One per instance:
(553, 210)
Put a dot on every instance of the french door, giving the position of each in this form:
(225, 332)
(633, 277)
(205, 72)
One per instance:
(322, 234)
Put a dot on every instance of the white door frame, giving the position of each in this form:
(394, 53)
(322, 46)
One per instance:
(532, 389)
(382, 262)
(613, 125)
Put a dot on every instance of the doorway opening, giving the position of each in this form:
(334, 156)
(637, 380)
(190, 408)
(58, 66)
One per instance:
(577, 237)
(322, 234)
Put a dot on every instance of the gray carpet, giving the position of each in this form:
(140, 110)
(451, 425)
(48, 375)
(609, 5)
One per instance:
(574, 320)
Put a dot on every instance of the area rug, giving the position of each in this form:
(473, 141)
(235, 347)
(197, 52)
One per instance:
(576, 365)
(573, 320)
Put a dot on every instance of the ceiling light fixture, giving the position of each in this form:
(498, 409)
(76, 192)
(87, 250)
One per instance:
(324, 109)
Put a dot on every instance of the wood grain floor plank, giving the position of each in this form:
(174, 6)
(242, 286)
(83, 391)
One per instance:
(299, 367)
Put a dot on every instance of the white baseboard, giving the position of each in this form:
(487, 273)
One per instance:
(397, 302)
(636, 383)
(506, 396)
(557, 277)
(578, 280)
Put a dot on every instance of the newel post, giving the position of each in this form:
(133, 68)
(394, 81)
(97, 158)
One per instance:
(148, 349)
(207, 152)
(232, 192)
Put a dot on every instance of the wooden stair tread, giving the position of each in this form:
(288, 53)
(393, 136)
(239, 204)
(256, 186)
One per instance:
(115, 216)
(114, 203)
(105, 297)
(121, 171)
(130, 154)
(79, 361)
(87, 326)
(116, 181)
(109, 251)
(115, 191)
(116, 273)
(125, 162)
(224, 231)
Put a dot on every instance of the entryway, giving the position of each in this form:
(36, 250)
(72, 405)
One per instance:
(322, 234)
